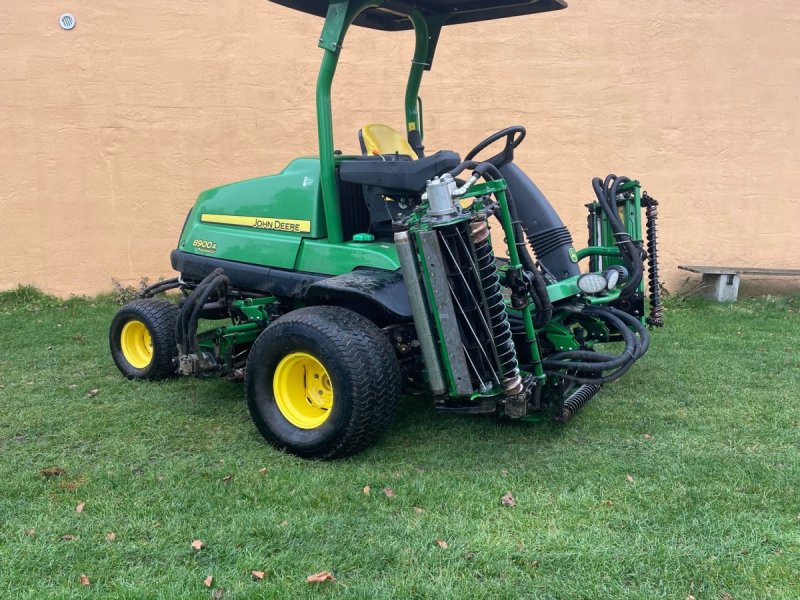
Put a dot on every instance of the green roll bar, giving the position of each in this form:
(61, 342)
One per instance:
(341, 14)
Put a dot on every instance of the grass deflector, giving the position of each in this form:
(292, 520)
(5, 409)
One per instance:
(344, 281)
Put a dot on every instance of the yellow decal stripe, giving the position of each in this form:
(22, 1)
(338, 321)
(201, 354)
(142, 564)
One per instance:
(271, 223)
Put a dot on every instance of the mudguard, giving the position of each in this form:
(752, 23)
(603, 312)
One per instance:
(378, 295)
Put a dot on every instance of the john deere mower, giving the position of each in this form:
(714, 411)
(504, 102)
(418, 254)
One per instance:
(344, 281)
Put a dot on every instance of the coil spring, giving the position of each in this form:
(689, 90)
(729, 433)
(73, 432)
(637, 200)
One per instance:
(581, 396)
(498, 319)
(656, 318)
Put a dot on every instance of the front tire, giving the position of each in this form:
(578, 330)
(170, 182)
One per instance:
(322, 382)
(142, 339)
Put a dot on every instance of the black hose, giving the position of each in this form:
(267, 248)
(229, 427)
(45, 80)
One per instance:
(541, 299)
(183, 316)
(219, 285)
(186, 327)
(632, 255)
(161, 286)
(598, 363)
(539, 295)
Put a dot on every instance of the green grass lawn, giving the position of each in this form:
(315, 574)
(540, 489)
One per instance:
(681, 479)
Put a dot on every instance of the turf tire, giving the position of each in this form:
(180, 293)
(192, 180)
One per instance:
(159, 317)
(364, 374)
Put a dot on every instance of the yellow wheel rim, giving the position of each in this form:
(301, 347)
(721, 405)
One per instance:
(303, 390)
(136, 344)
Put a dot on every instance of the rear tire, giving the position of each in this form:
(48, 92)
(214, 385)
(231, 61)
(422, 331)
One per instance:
(322, 382)
(142, 339)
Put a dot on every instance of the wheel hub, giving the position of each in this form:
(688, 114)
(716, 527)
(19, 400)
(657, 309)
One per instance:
(303, 390)
(136, 344)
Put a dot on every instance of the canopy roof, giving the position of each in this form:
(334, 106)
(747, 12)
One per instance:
(391, 15)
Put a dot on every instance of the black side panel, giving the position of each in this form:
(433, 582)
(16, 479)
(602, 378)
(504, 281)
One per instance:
(548, 236)
(243, 276)
(378, 295)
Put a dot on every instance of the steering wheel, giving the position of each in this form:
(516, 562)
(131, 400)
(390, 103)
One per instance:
(514, 136)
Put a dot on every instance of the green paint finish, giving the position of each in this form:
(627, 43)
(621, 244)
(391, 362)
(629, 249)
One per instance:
(412, 103)
(340, 14)
(484, 189)
(363, 238)
(326, 258)
(293, 195)
(565, 288)
(596, 251)
(560, 335)
(568, 287)
(255, 309)
(573, 255)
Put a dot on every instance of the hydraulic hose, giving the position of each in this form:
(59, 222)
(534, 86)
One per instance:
(186, 328)
(632, 255)
(541, 299)
(161, 286)
(590, 362)
(219, 285)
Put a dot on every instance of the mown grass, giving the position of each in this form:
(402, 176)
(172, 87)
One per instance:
(712, 509)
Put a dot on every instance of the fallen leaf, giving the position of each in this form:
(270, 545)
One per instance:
(208, 581)
(535, 564)
(79, 508)
(93, 393)
(321, 577)
(508, 500)
(84, 580)
(442, 544)
(111, 536)
(227, 478)
(389, 492)
(257, 575)
(284, 523)
(197, 544)
(690, 597)
(629, 478)
(723, 595)
(263, 471)
(419, 510)
(469, 555)
(218, 593)
(68, 537)
(367, 490)
(647, 436)
(52, 471)
(608, 503)
(30, 532)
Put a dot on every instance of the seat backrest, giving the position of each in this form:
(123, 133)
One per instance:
(379, 139)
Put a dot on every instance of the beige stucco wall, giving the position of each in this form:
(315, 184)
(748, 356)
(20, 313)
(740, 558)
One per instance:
(109, 131)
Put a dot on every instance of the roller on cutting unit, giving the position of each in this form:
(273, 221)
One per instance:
(345, 281)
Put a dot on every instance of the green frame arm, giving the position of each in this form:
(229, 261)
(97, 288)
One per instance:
(341, 14)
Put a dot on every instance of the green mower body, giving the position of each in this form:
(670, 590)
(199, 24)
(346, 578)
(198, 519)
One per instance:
(342, 282)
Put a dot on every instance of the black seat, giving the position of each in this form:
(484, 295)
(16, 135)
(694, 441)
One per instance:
(388, 176)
